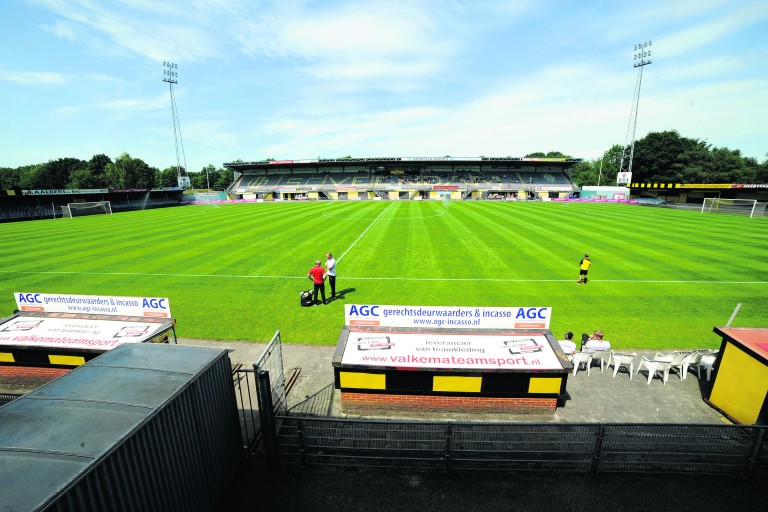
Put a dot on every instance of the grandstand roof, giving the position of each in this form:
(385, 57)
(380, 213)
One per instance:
(394, 162)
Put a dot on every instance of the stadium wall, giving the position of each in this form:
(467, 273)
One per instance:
(29, 377)
(382, 404)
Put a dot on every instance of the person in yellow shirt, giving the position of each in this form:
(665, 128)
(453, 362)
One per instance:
(584, 265)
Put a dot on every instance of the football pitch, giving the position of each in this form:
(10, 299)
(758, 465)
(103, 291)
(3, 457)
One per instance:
(660, 279)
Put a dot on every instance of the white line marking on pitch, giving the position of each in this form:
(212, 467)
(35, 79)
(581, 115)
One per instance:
(366, 230)
(351, 278)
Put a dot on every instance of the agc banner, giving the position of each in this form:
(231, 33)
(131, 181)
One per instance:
(452, 317)
(94, 304)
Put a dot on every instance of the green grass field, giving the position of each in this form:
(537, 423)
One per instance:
(660, 278)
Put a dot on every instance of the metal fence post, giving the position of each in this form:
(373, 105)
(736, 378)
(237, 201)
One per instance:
(598, 449)
(754, 453)
(267, 417)
(447, 454)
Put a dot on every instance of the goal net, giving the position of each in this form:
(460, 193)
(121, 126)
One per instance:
(750, 207)
(81, 209)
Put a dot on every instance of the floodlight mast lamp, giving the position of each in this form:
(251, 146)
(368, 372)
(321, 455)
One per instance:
(170, 76)
(642, 59)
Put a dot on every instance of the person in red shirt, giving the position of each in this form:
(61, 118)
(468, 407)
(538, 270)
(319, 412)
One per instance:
(317, 275)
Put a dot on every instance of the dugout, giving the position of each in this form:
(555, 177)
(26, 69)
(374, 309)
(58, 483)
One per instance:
(143, 427)
(37, 346)
(381, 369)
(740, 386)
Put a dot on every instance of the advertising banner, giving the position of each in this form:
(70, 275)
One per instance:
(450, 351)
(74, 333)
(96, 304)
(457, 317)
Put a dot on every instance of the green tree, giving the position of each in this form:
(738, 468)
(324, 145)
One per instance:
(128, 172)
(730, 167)
(29, 176)
(55, 174)
(207, 176)
(168, 177)
(761, 173)
(224, 178)
(601, 171)
(84, 178)
(9, 177)
(584, 173)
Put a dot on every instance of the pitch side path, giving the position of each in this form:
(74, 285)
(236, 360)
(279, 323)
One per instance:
(597, 397)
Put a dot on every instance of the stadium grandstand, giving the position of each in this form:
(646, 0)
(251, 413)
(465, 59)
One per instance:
(18, 204)
(404, 178)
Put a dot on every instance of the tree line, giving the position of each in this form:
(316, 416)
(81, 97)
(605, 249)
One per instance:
(659, 157)
(102, 172)
(668, 157)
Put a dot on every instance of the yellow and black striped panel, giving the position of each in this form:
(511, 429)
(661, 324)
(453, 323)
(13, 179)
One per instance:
(431, 382)
(362, 380)
(457, 383)
(23, 356)
(66, 360)
(544, 385)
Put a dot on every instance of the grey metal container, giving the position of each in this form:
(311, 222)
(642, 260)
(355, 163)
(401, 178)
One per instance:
(143, 427)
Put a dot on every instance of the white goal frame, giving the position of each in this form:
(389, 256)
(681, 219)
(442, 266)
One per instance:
(87, 208)
(737, 206)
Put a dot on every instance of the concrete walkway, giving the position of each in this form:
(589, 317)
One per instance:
(594, 398)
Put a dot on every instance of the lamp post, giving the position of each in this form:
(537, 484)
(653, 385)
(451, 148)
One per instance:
(170, 76)
(642, 59)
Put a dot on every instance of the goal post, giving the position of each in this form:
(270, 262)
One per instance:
(738, 206)
(87, 208)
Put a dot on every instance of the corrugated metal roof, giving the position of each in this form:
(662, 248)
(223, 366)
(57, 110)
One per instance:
(50, 436)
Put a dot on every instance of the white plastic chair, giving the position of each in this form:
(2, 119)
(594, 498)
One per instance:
(580, 358)
(655, 366)
(692, 359)
(707, 361)
(604, 356)
(676, 362)
(620, 360)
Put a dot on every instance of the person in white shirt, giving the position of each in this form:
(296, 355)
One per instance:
(596, 342)
(568, 346)
(330, 269)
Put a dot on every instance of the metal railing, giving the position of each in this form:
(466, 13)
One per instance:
(248, 387)
(8, 397)
(585, 448)
(271, 361)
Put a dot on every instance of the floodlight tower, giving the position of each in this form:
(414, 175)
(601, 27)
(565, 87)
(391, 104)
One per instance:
(642, 59)
(170, 75)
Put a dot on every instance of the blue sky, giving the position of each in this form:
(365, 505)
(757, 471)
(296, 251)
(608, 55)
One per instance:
(303, 79)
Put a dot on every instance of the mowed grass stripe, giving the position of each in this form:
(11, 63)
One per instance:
(656, 283)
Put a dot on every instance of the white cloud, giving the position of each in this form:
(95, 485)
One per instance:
(62, 30)
(157, 30)
(695, 37)
(32, 77)
(64, 112)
